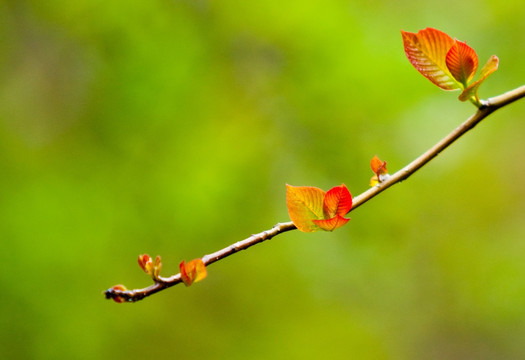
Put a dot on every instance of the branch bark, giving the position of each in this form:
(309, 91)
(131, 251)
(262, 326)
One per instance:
(487, 108)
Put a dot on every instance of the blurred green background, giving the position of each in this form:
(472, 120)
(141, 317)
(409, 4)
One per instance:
(172, 127)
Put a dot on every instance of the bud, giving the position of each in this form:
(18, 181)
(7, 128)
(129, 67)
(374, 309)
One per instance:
(149, 267)
(379, 168)
(119, 299)
(145, 263)
(157, 268)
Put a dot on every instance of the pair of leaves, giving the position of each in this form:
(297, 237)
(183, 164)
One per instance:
(448, 63)
(151, 268)
(192, 271)
(311, 209)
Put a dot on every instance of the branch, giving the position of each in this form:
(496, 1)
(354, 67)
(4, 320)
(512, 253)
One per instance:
(487, 108)
(164, 283)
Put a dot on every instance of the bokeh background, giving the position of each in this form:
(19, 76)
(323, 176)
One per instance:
(171, 127)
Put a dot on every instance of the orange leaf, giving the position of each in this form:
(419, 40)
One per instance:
(427, 51)
(337, 201)
(193, 271)
(462, 62)
(472, 89)
(305, 203)
(331, 224)
(145, 263)
(378, 166)
(149, 267)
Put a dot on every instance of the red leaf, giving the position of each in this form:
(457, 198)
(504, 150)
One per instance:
(427, 51)
(305, 203)
(193, 271)
(337, 201)
(462, 62)
(331, 224)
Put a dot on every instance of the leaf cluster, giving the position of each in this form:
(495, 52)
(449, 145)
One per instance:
(448, 63)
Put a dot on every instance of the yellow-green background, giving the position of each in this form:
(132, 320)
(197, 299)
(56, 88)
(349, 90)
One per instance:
(172, 127)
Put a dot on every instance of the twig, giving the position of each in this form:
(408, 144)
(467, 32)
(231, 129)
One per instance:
(485, 110)
(164, 283)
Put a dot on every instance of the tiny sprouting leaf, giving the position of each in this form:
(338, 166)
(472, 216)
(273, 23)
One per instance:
(305, 203)
(462, 62)
(157, 267)
(119, 299)
(427, 51)
(337, 201)
(150, 268)
(192, 271)
(145, 263)
(472, 90)
(379, 168)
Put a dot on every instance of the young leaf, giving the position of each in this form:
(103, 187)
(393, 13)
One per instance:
(331, 224)
(305, 203)
(119, 299)
(337, 201)
(145, 263)
(157, 267)
(193, 271)
(472, 89)
(462, 62)
(427, 51)
(379, 168)
(149, 267)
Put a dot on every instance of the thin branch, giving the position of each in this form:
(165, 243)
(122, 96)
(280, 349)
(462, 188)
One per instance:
(485, 110)
(164, 283)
